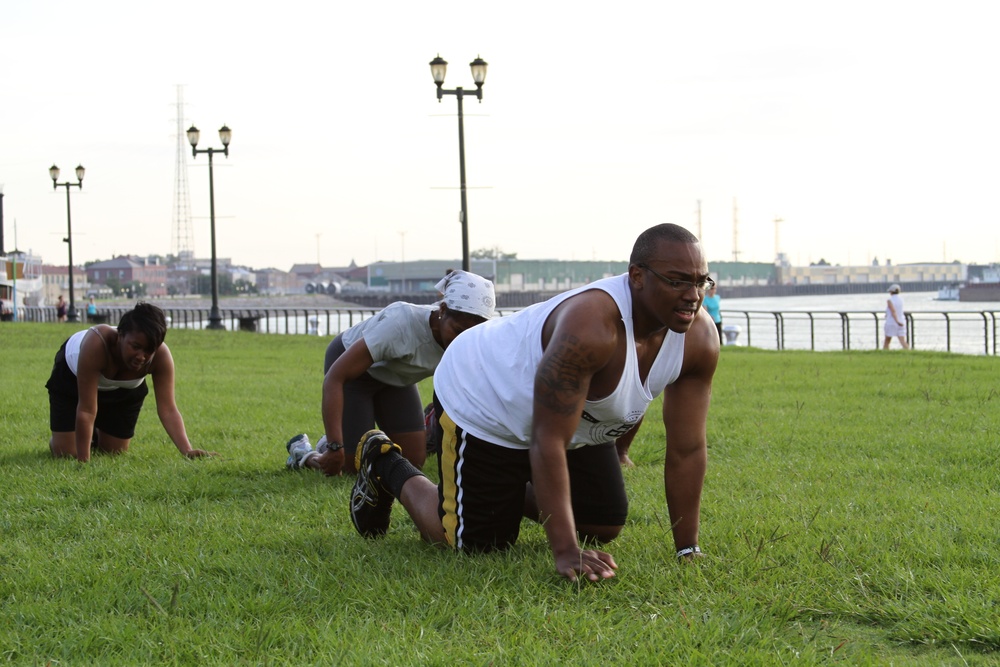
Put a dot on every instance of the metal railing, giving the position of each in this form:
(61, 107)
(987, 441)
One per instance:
(966, 332)
(306, 321)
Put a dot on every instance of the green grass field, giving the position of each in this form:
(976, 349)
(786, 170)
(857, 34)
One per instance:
(849, 516)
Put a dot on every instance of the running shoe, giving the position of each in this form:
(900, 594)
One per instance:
(371, 503)
(299, 451)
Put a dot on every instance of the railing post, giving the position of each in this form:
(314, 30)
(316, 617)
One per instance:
(994, 316)
(986, 333)
(845, 331)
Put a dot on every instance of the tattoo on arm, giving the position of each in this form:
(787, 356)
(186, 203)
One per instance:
(560, 375)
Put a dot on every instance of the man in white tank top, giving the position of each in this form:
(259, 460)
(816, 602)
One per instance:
(540, 396)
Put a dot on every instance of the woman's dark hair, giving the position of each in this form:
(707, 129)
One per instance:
(145, 318)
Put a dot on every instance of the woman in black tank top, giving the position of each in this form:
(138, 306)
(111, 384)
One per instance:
(97, 403)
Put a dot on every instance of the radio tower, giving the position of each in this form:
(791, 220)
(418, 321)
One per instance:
(182, 243)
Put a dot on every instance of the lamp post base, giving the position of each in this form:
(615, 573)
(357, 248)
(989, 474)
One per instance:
(215, 319)
(71, 315)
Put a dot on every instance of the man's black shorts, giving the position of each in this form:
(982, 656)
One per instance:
(482, 488)
(369, 402)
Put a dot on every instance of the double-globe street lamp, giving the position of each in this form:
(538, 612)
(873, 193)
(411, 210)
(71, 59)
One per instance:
(438, 68)
(225, 134)
(54, 173)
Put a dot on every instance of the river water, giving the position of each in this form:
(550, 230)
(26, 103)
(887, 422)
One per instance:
(916, 301)
(817, 322)
(854, 321)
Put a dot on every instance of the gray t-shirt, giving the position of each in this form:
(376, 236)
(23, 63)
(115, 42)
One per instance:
(401, 343)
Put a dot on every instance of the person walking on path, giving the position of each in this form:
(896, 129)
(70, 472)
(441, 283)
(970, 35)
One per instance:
(713, 304)
(529, 407)
(371, 373)
(98, 385)
(895, 319)
(61, 309)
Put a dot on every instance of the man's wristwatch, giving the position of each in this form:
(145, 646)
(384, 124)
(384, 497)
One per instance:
(325, 445)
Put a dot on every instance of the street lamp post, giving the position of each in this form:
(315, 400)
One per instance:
(54, 173)
(225, 134)
(438, 68)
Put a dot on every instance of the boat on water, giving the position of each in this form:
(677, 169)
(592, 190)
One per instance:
(984, 285)
(949, 293)
(980, 292)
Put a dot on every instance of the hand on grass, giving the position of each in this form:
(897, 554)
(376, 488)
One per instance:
(198, 453)
(593, 564)
(331, 462)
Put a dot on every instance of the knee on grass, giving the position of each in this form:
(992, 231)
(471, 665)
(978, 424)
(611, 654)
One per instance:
(596, 534)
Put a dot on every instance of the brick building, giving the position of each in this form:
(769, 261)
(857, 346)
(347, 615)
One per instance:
(150, 273)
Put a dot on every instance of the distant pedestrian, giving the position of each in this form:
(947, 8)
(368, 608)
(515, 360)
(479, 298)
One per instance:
(712, 302)
(91, 307)
(895, 318)
(61, 309)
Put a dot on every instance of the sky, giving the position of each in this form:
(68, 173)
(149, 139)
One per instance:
(868, 128)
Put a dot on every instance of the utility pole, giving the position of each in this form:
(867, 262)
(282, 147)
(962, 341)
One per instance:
(777, 244)
(736, 234)
(402, 260)
(699, 221)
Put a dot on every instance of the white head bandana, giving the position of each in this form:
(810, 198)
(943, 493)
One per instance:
(467, 293)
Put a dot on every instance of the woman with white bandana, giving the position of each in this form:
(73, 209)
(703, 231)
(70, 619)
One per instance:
(372, 371)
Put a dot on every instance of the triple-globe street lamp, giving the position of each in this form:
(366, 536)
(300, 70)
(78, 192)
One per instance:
(438, 68)
(71, 315)
(225, 135)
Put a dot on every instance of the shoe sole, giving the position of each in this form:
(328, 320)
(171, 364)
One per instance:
(360, 500)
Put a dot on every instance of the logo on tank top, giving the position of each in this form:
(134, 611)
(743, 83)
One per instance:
(610, 430)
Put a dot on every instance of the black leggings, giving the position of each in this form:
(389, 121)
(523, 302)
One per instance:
(369, 402)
